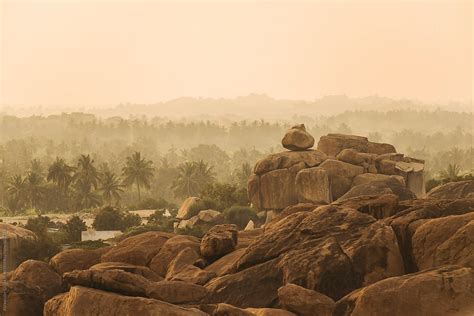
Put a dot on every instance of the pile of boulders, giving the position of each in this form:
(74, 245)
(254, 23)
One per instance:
(189, 216)
(339, 165)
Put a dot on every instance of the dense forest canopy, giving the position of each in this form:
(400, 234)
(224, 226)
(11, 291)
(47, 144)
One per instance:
(227, 145)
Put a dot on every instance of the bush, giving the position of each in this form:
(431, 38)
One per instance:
(89, 244)
(110, 218)
(240, 215)
(74, 226)
(42, 248)
(225, 195)
(150, 227)
(195, 231)
(39, 225)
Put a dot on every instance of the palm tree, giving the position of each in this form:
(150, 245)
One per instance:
(17, 189)
(138, 171)
(86, 174)
(61, 174)
(243, 174)
(110, 187)
(192, 178)
(34, 188)
(85, 197)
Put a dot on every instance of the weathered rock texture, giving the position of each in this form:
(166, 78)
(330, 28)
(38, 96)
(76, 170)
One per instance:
(305, 302)
(76, 259)
(297, 138)
(14, 236)
(453, 190)
(341, 163)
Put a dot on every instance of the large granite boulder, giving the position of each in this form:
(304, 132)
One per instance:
(378, 206)
(371, 177)
(313, 186)
(85, 301)
(224, 264)
(333, 144)
(256, 286)
(379, 187)
(76, 259)
(297, 138)
(446, 290)
(117, 281)
(332, 250)
(416, 213)
(177, 292)
(170, 250)
(137, 250)
(18, 299)
(182, 268)
(444, 241)
(304, 302)
(186, 210)
(219, 240)
(127, 267)
(453, 190)
(340, 176)
(39, 274)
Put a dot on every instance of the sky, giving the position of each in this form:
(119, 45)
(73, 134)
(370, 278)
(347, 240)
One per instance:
(104, 52)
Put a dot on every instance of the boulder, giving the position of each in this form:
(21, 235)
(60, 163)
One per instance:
(378, 206)
(177, 292)
(332, 250)
(18, 299)
(223, 309)
(86, 301)
(277, 189)
(354, 157)
(219, 240)
(170, 250)
(453, 190)
(416, 212)
(340, 176)
(312, 185)
(287, 159)
(137, 250)
(304, 302)
(188, 223)
(269, 312)
(127, 267)
(246, 237)
(223, 265)
(444, 241)
(117, 281)
(182, 269)
(254, 287)
(38, 273)
(14, 237)
(186, 209)
(211, 217)
(446, 290)
(297, 138)
(371, 177)
(380, 148)
(333, 144)
(381, 187)
(76, 259)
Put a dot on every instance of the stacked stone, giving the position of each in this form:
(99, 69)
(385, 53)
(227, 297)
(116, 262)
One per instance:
(323, 175)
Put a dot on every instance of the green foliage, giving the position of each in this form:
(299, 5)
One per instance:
(196, 231)
(110, 218)
(240, 215)
(192, 178)
(42, 248)
(89, 244)
(39, 225)
(74, 226)
(225, 195)
(138, 171)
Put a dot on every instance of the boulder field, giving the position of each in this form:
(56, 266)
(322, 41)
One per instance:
(372, 249)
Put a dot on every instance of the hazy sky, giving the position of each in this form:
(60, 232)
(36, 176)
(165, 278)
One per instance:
(108, 52)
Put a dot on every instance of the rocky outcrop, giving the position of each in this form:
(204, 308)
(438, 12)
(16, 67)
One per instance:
(219, 240)
(76, 259)
(224, 264)
(33, 273)
(332, 250)
(86, 301)
(297, 138)
(170, 250)
(182, 268)
(447, 290)
(304, 302)
(444, 241)
(378, 206)
(379, 187)
(340, 163)
(137, 250)
(453, 190)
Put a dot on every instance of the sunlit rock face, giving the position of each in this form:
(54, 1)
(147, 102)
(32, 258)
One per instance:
(340, 162)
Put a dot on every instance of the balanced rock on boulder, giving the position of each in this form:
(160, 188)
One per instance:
(297, 138)
(219, 240)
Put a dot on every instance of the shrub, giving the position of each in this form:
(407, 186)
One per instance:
(74, 226)
(39, 224)
(195, 231)
(240, 215)
(110, 218)
(203, 204)
(225, 195)
(42, 248)
(89, 244)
